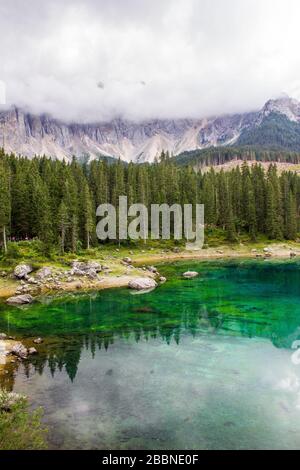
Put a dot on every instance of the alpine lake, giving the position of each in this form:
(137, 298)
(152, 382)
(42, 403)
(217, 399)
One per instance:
(204, 363)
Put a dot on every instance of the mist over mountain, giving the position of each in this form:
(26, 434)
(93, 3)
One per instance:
(276, 126)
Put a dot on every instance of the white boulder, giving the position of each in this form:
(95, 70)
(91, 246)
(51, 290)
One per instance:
(142, 283)
(20, 300)
(22, 270)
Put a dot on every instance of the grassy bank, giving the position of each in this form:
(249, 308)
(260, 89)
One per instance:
(20, 428)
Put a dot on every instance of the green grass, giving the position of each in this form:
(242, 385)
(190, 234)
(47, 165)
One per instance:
(20, 428)
(32, 251)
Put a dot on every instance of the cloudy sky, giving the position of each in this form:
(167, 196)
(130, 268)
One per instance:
(94, 59)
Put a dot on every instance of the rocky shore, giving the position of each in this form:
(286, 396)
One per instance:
(12, 350)
(26, 283)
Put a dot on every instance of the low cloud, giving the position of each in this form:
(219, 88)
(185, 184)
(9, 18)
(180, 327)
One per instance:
(95, 60)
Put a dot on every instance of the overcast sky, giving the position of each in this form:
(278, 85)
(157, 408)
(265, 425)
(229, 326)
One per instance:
(95, 59)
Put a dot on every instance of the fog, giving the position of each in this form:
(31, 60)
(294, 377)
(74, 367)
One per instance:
(94, 60)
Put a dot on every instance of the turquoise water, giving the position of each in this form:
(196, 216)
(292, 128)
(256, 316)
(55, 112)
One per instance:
(195, 364)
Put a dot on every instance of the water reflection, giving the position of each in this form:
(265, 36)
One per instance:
(257, 300)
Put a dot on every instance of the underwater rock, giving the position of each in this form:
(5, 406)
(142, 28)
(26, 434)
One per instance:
(144, 310)
(142, 283)
(20, 300)
(190, 274)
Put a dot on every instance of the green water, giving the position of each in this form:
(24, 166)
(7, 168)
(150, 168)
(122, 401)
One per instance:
(195, 364)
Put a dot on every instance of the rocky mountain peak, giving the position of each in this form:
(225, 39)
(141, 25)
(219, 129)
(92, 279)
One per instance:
(285, 105)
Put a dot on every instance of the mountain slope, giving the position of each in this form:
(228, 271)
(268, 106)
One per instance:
(276, 126)
(275, 131)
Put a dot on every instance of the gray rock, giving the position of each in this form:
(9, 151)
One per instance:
(190, 274)
(22, 270)
(162, 279)
(44, 272)
(32, 351)
(19, 350)
(38, 341)
(3, 336)
(127, 260)
(94, 265)
(152, 269)
(20, 300)
(142, 283)
(77, 272)
(92, 274)
(80, 266)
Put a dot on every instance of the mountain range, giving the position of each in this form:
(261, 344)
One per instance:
(275, 126)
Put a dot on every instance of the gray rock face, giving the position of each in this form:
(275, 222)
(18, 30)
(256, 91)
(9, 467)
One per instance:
(131, 141)
(20, 300)
(143, 283)
(22, 270)
(190, 274)
(142, 141)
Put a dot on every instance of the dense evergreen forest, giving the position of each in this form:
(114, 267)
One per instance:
(221, 155)
(56, 202)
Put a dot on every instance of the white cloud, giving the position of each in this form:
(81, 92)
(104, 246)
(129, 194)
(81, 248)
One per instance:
(183, 58)
(2, 93)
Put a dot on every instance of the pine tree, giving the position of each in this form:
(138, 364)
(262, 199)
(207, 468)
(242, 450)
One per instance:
(87, 215)
(63, 224)
(5, 202)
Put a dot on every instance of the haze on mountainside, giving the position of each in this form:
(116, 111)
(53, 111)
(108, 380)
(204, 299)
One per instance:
(93, 60)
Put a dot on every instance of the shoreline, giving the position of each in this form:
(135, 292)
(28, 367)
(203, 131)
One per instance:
(126, 273)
